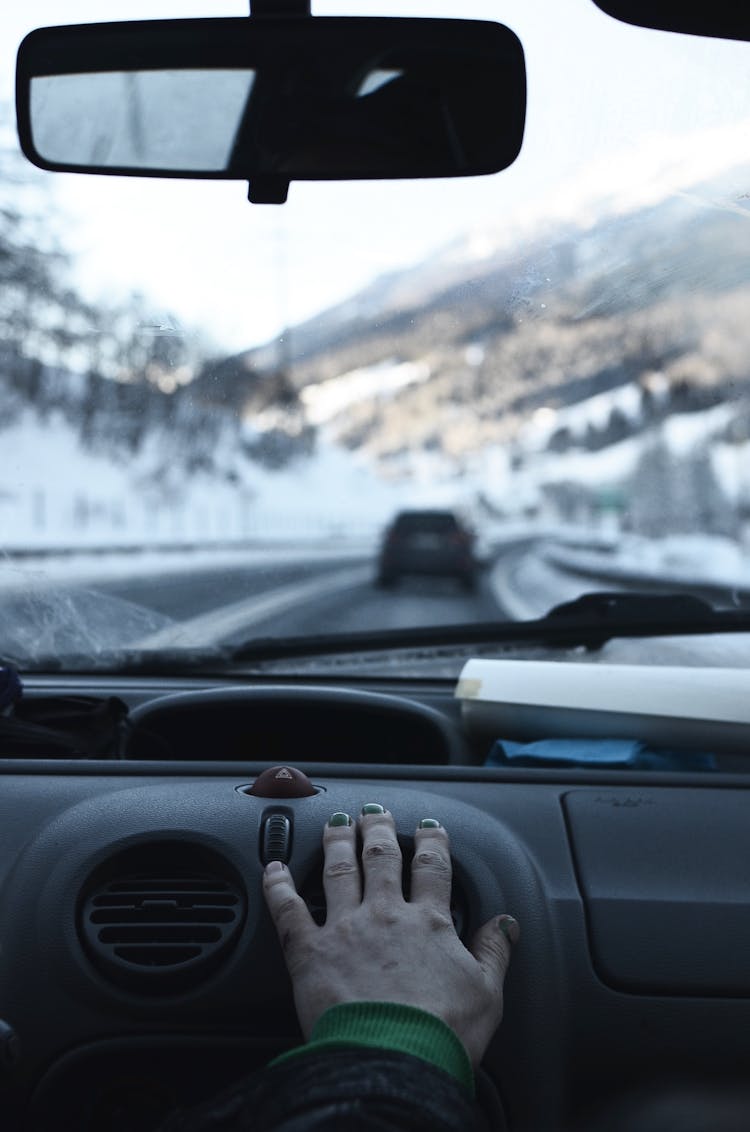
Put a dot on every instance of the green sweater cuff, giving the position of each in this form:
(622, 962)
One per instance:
(390, 1025)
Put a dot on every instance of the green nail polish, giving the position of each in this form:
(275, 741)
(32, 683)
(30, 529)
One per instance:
(429, 823)
(339, 819)
(373, 808)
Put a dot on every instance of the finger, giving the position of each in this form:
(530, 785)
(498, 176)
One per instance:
(290, 915)
(431, 869)
(492, 947)
(342, 883)
(381, 854)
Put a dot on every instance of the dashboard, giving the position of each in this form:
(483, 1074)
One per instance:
(140, 970)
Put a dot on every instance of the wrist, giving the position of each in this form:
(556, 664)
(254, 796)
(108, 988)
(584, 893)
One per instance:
(388, 1025)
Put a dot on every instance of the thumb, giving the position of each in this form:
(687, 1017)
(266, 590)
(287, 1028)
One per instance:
(492, 947)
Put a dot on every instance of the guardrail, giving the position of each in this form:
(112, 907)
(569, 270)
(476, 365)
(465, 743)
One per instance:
(733, 593)
(331, 542)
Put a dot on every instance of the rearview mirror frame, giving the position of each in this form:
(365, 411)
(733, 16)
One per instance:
(279, 52)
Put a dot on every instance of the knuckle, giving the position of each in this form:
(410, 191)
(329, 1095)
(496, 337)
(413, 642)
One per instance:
(498, 955)
(439, 921)
(433, 860)
(385, 912)
(387, 917)
(347, 932)
(286, 909)
(386, 850)
(335, 869)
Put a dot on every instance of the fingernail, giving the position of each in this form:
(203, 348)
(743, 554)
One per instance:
(373, 808)
(509, 927)
(429, 823)
(274, 867)
(339, 819)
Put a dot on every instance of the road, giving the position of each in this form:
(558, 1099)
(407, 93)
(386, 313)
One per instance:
(178, 602)
(336, 595)
(175, 603)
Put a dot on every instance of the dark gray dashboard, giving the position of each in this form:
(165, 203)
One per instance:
(633, 972)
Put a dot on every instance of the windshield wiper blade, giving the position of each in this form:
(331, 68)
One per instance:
(600, 616)
(589, 621)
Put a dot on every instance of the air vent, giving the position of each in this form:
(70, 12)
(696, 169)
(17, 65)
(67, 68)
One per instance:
(161, 917)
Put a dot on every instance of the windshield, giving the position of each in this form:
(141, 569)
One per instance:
(383, 404)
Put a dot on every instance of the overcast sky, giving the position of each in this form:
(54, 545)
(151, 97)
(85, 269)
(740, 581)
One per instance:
(610, 109)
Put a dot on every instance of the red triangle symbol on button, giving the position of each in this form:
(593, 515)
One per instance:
(283, 773)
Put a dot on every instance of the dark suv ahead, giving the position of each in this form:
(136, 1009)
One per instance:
(427, 542)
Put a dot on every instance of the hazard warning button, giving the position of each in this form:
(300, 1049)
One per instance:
(282, 782)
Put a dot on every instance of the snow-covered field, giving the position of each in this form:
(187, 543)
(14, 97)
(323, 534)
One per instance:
(54, 494)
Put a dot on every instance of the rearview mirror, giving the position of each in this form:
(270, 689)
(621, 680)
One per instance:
(272, 100)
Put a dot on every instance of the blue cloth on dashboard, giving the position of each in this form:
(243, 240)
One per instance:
(612, 754)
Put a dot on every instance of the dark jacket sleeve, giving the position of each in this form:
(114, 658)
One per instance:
(337, 1091)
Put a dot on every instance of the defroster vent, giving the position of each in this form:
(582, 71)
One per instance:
(161, 917)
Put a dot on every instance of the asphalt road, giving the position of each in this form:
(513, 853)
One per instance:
(412, 602)
(187, 594)
(332, 596)
(287, 595)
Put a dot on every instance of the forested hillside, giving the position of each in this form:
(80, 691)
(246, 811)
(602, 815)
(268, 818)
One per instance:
(526, 352)
(660, 292)
(116, 374)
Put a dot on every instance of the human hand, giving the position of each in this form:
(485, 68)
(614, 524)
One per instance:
(377, 947)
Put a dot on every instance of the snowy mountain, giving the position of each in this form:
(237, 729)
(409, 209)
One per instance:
(527, 373)
(436, 365)
(615, 258)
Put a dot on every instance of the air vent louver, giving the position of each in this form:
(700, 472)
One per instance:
(161, 917)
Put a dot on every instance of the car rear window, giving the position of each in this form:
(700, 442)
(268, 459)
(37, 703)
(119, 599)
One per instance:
(438, 522)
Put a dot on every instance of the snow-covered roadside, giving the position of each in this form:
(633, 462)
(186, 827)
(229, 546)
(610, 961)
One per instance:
(528, 583)
(56, 494)
(697, 560)
(527, 586)
(83, 568)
